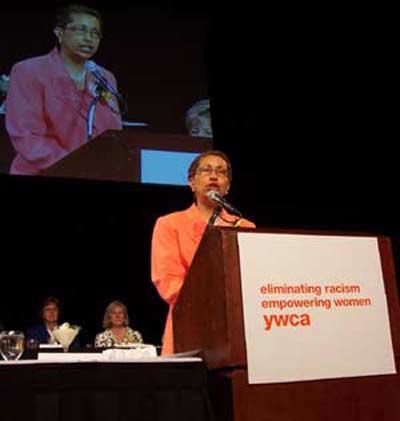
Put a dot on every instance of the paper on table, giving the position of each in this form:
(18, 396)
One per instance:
(50, 346)
(136, 351)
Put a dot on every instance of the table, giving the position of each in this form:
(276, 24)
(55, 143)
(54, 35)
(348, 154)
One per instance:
(104, 391)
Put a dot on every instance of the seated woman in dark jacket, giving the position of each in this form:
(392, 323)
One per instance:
(49, 313)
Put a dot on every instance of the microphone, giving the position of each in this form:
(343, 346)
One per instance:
(214, 216)
(92, 68)
(213, 195)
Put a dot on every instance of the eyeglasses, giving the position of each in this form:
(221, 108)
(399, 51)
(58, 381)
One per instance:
(220, 172)
(84, 30)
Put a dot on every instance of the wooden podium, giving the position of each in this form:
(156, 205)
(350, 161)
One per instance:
(209, 316)
(116, 154)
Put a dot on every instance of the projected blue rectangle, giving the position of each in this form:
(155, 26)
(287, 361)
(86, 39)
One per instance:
(165, 167)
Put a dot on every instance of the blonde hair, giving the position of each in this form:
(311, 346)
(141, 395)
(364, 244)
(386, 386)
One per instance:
(110, 308)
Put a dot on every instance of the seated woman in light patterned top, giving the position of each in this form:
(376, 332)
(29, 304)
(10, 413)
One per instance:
(117, 331)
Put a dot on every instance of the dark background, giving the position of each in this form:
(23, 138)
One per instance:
(301, 102)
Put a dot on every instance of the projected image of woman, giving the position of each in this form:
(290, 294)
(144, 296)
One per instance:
(49, 96)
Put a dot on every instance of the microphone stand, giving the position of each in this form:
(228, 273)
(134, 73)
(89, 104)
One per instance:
(213, 217)
(91, 114)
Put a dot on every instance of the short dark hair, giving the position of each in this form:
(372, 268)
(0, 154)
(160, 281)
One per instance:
(46, 302)
(63, 16)
(196, 162)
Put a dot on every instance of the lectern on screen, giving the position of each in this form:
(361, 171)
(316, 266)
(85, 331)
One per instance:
(157, 55)
(138, 157)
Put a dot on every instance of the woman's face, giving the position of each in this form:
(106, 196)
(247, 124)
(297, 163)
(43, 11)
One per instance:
(80, 38)
(211, 174)
(117, 317)
(50, 313)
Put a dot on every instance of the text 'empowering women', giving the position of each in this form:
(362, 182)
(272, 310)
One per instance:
(294, 305)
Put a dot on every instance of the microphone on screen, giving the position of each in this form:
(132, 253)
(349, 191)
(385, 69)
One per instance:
(92, 68)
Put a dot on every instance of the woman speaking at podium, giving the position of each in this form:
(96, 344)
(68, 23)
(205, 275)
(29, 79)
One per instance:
(177, 235)
(49, 96)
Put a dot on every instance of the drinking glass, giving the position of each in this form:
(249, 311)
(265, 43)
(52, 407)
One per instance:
(11, 344)
(65, 334)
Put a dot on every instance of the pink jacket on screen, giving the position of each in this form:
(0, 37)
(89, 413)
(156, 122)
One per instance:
(46, 113)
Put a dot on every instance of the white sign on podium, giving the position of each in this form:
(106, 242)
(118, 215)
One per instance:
(314, 307)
